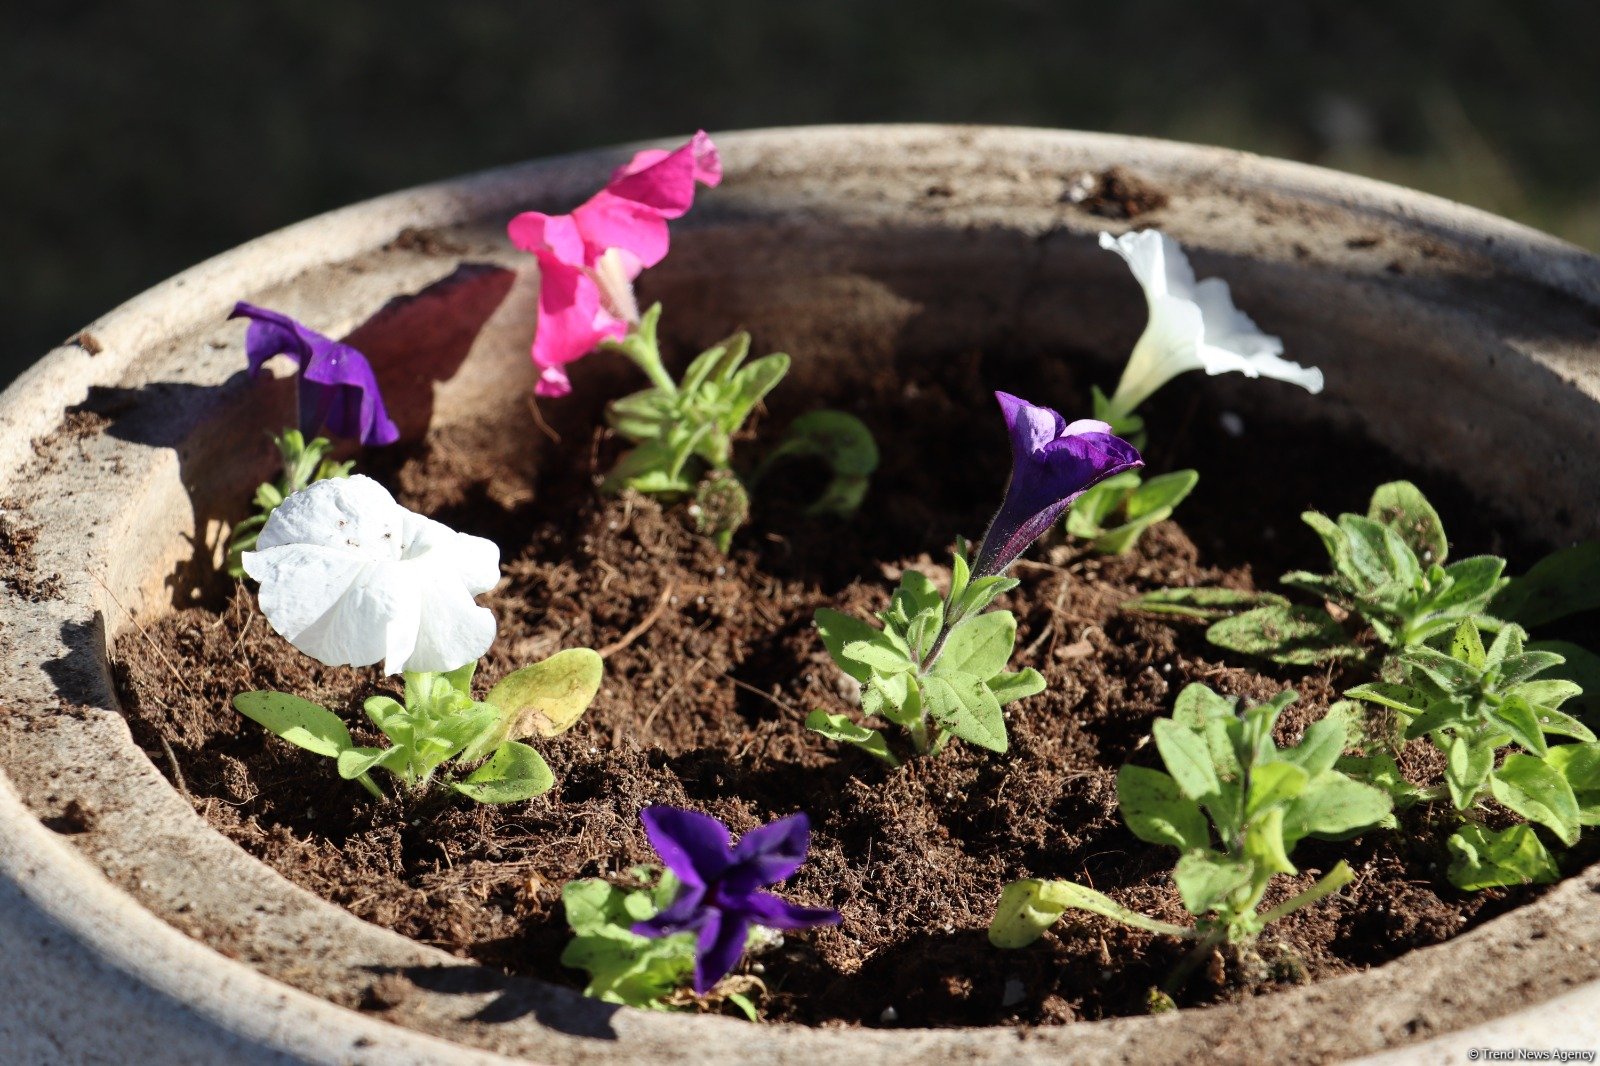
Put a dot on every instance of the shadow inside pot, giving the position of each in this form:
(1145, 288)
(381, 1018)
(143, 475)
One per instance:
(554, 1008)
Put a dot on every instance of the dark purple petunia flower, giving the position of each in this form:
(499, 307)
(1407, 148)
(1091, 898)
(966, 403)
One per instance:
(721, 898)
(1052, 464)
(336, 384)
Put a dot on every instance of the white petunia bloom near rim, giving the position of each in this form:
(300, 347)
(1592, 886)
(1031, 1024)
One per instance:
(1193, 326)
(350, 577)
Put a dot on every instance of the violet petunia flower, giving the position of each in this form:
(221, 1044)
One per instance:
(1052, 464)
(336, 384)
(588, 259)
(721, 899)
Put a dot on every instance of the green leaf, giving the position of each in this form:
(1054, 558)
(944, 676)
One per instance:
(1157, 811)
(1563, 583)
(642, 416)
(1466, 767)
(1381, 772)
(1204, 604)
(1321, 745)
(963, 704)
(1581, 667)
(1091, 512)
(300, 722)
(1467, 646)
(841, 441)
(980, 592)
(1483, 858)
(1264, 845)
(879, 654)
(842, 730)
(1401, 506)
(1027, 908)
(514, 772)
(1008, 688)
(1335, 806)
(750, 385)
(1274, 784)
(548, 697)
(1161, 493)
(1295, 636)
(1407, 699)
(1579, 764)
(979, 644)
(1206, 880)
(1520, 721)
(1187, 759)
(356, 762)
(1472, 582)
(837, 630)
(1376, 555)
(1534, 789)
(1197, 704)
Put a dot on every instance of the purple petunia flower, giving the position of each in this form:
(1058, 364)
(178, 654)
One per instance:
(721, 898)
(336, 384)
(1052, 464)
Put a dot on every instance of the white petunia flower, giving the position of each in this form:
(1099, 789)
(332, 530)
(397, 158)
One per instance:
(1193, 326)
(350, 577)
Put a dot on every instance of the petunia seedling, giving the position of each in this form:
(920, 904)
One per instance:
(1389, 577)
(440, 723)
(1193, 325)
(719, 897)
(1472, 702)
(350, 577)
(937, 667)
(1234, 804)
(336, 389)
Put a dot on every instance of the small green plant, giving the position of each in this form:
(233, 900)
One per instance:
(1115, 513)
(653, 973)
(1471, 702)
(682, 432)
(440, 723)
(1389, 574)
(303, 462)
(1234, 804)
(937, 667)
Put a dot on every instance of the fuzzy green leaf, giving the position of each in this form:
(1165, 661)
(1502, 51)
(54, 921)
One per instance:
(879, 654)
(1008, 688)
(1335, 806)
(1534, 789)
(1381, 772)
(1156, 810)
(843, 730)
(1294, 635)
(1197, 704)
(514, 772)
(963, 704)
(837, 630)
(1027, 908)
(1203, 604)
(300, 722)
(1483, 858)
(1187, 759)
(1580, 666)
(1401, 506)
(1206, 880)
(979, 645)
(1407, 699)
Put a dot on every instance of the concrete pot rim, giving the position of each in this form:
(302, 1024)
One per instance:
(151, 983)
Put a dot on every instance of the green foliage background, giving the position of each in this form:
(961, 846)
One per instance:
(141, 137)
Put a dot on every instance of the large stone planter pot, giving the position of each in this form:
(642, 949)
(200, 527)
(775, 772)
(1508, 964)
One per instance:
(130, 931)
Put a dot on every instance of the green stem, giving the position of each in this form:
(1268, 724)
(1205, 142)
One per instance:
(1331, 882)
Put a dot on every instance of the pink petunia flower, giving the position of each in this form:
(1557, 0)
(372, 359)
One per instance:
(588, 259)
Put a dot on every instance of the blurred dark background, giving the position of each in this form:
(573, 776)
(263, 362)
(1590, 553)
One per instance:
(141, 137)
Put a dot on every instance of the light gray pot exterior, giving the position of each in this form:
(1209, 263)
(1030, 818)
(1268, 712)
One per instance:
(1463, 341)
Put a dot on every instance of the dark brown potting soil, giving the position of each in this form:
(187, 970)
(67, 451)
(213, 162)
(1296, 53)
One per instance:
(712, 664)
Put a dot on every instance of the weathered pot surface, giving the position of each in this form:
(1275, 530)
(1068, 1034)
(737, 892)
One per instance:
(133, 931)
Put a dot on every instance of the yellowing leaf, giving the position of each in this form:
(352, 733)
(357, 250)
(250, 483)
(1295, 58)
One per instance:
(548, 697)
